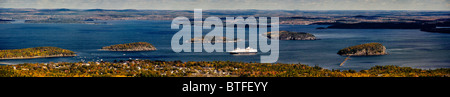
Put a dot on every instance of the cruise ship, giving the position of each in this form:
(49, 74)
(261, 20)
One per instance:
(247, 51)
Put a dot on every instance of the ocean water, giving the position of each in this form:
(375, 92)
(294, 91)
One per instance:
(406, 47)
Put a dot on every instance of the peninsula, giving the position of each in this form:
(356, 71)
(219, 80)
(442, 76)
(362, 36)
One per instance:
(36, 52)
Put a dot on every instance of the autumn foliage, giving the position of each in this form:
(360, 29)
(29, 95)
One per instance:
(147, 68)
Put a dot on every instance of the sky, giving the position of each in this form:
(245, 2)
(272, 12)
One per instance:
(232, 4)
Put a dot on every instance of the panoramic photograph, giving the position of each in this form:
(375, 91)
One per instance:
(138, 38)
(244, 47)
(209, 38)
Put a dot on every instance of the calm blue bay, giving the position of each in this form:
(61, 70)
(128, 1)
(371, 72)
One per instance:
(406, 47)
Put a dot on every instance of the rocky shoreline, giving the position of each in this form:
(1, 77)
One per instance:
(136, 49)
(49, 56)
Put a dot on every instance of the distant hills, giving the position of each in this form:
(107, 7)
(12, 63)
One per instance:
(338, 19)
(383, 25)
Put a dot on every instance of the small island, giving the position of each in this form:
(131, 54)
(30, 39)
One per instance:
(210, 40)
(36, 52)
(136, 46)
(368, 49)
(288, 35)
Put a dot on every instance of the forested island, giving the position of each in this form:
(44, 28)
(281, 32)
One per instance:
(136, 46)
(367, 49)
(288, 35)
(148, 68)
(205, 39)
(36, 52)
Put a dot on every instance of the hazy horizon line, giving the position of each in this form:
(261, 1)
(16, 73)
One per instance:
(237, 9)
